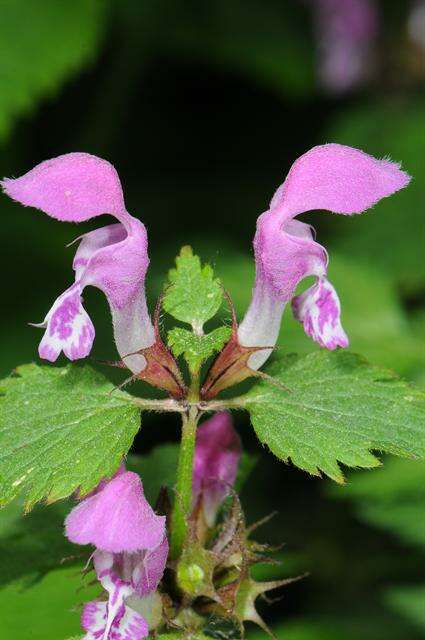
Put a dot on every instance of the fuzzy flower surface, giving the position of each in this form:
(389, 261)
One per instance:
(217, 454)
(333, 177)
(131, 550)
(76, 187)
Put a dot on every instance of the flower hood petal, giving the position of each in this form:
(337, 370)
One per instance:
(117, 519)
(72, 187)
(337, 178)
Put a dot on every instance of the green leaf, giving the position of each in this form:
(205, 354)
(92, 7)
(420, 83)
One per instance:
(409, 602)
(46, 44)
(194, 295)
(33, 545)
(339, 409)
(195, 348)
(48, 609)
(392, 499)
(60, 429)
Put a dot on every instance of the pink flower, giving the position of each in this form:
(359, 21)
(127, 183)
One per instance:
(76, 187)
(217, 453)
(346, 33)
(117, 518)
(130, 556)
(333, 177)
(416, 24)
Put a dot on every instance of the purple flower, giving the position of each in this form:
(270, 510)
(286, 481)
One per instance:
(346, 32)
(416, 24)
(319, 310)
(76, 187)
(333, 177)
(217, 453)
(130, 556)
(117, 518)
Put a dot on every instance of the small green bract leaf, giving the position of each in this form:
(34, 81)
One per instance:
(194, 295)
(61, 429)
(339, 409)
(194, 348)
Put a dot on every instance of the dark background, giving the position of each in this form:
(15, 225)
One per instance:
(203, 107)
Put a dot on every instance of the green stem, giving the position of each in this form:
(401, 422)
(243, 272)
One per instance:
(183, 498)
(169, 404)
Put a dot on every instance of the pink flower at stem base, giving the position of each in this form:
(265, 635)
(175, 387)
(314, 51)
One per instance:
(130, 556)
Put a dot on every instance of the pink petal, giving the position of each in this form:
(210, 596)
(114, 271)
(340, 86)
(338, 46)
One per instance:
(283, 257)
(112, 620)
(149, 568)
(346, 31)
(73, 187)
(117, 519)
(68, 328)
(130, 626)
(319, 310)
(337, 178)
(115, 261)
(286, 254)
(217, 453)
(93, 619)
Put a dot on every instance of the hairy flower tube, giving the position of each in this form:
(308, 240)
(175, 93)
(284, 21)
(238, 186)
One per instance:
(130, 556)
(77, 187)
(217, 453)
(334, 177)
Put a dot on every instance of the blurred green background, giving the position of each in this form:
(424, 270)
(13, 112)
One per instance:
(203, 107)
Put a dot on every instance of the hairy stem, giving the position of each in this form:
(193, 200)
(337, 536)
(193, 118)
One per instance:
(193, 402)
(183, 500)
(169, 404)
(221, 405)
